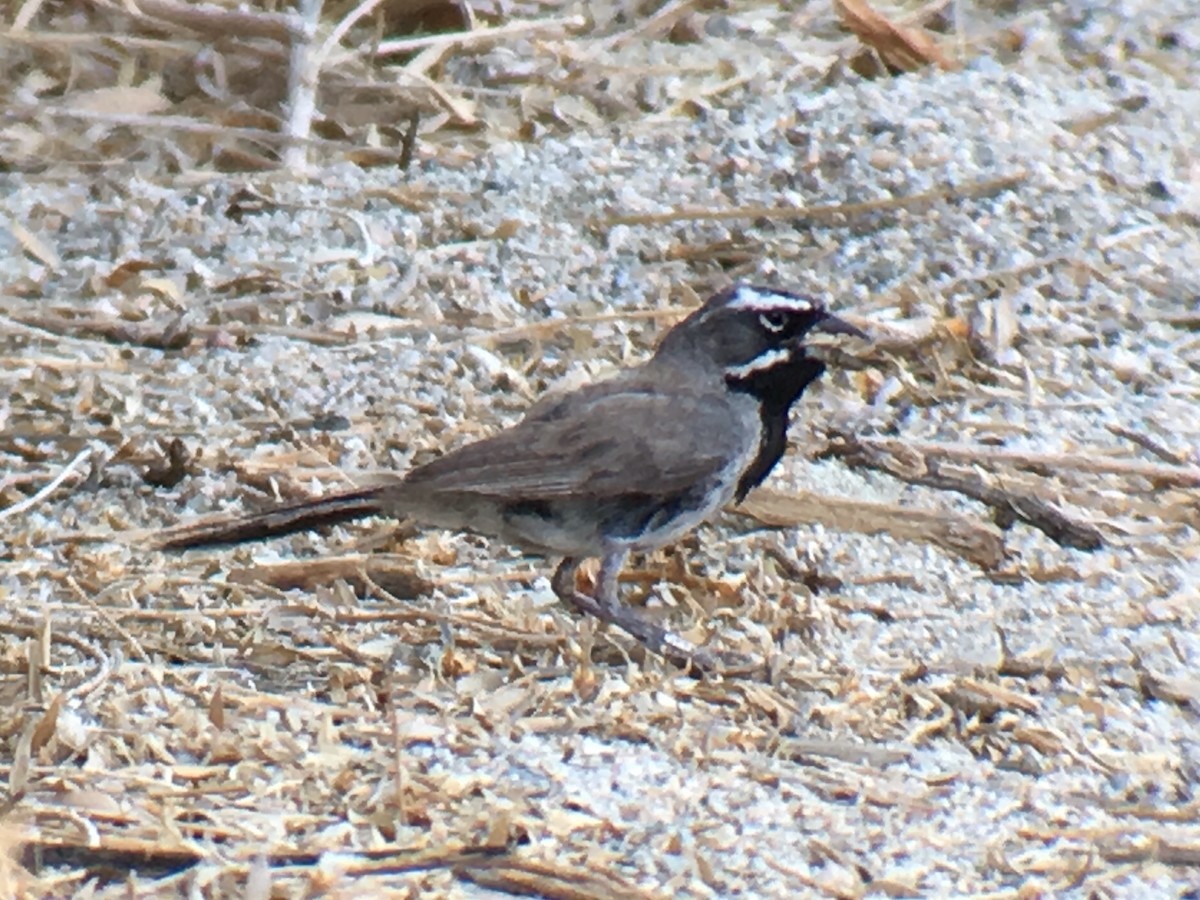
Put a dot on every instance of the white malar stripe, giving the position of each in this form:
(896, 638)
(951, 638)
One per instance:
(746, 297)
(760, 363)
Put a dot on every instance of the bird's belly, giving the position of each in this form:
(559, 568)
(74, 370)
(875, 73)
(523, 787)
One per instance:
(589, 526)
(687, 511)
(684, 514)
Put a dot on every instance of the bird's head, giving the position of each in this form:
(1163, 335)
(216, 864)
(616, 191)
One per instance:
(756, 337)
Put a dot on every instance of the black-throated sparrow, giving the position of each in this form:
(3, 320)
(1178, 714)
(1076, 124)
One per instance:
(630, 463)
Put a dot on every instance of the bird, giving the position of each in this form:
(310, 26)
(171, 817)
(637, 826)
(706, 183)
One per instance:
(626, 464)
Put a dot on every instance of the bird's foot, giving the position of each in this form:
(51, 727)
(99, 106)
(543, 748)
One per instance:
(651, 635)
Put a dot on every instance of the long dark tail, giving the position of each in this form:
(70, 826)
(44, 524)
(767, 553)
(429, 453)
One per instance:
(301, 516)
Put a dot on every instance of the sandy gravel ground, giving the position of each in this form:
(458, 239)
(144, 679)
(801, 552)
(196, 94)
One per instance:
(1005, 717)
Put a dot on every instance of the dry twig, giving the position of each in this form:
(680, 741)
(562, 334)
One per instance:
(977, 541)
(1083, 460)
(304, 75)
(902, 47)
(362, 571)
(1009, 506)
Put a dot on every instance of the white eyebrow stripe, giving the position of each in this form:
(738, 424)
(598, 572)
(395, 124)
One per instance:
(760, 363)
(750, 298)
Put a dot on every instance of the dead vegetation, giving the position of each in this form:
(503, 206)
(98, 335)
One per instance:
(364, 720)
(245, 88)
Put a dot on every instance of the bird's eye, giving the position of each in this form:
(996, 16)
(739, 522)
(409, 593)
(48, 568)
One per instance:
(773, 321)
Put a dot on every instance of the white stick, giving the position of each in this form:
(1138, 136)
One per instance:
(304, 75)
(49, 489)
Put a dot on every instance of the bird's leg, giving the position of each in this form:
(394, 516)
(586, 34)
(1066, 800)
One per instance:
(606, 605)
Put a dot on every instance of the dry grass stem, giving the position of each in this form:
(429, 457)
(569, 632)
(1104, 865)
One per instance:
(837, 211)
(53, 485)
(483, 37)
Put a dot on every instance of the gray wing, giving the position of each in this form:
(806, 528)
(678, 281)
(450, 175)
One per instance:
(598, 442)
